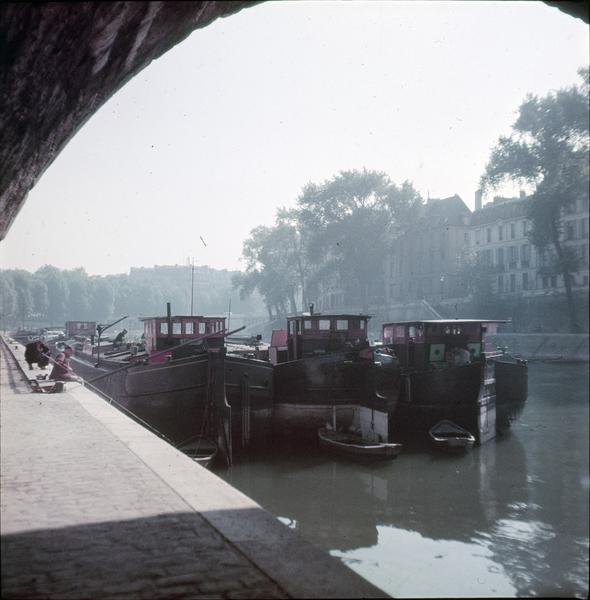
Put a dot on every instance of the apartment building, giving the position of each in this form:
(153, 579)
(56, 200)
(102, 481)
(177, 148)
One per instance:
(498, 233)
(425, 262)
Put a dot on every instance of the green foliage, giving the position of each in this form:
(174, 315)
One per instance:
(548, 149)
(52, 296)
(336, 236)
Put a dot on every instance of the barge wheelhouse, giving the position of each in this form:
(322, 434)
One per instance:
(447, 372)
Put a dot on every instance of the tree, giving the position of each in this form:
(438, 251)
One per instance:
(40, 296)
(23, 283)
(102, 299)
(8, 297)
(548, 148)
(272, 266)
(78, 303)
(57, 293)
(347, 224)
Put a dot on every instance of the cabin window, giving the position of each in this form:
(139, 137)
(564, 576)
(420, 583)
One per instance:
(363, 324)
(176, 328)
(324, 324)
(291, 327)
(474, 350)
(164, 328)
(387, 335)
(412, 331)
(342, 324)
(306, 323)
(202, 328)
(437, 352)
(189, 328)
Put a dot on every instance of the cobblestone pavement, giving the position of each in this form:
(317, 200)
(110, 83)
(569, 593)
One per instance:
(84, 517)
(95, 506)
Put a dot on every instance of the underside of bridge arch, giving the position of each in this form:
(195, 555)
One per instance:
(61, 61)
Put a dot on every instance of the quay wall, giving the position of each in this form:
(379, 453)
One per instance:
(567, 347)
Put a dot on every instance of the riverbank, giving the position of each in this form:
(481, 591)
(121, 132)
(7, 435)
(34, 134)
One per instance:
(565, 347)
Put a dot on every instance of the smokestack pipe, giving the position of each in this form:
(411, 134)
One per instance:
(478, 195)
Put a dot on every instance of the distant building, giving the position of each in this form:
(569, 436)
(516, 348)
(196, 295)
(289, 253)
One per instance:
(425, 268)
(498, 232)
(425, 261)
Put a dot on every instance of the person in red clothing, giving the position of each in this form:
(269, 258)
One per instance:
(62, 371)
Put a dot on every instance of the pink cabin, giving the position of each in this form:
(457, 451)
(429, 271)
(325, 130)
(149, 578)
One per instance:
(81, 328)
(162, 333)
(315, 334)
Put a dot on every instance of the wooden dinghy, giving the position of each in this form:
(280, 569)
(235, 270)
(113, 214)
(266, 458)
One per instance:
(352, 445)
(447, 435)
(201, 449)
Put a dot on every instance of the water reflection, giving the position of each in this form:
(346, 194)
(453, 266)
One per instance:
(509, 518)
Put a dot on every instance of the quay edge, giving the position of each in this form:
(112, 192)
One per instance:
(566, 347)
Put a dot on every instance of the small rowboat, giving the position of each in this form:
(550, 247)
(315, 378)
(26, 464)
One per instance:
(202, 450)
(352, 445)
(447, 435)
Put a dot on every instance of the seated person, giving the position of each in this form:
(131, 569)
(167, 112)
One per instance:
(62, 371)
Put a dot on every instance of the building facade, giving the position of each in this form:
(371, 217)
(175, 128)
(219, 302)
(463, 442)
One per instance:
(427, 262)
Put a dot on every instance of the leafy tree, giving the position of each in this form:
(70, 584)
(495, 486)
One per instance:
(475, 276)
(548, 148)
(78, 302)
(102, 299)
(271, 267)
(57, 293)
(8, 296)
(23, 283)
(347, 224)
(40, 296)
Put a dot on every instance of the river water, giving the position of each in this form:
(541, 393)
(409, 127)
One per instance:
(507, 519)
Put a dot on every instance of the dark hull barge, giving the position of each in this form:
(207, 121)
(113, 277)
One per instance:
(441, 369)
(175, 386)
(322, 369)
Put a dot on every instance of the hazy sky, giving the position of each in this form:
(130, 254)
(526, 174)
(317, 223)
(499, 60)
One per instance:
(230, 124)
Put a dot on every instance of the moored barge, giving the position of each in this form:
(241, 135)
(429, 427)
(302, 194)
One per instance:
(169, 384)
(443, 370)
(324, 374)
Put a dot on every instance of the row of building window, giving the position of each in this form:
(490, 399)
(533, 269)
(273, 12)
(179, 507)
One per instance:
(510, 283)
(573, 229)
